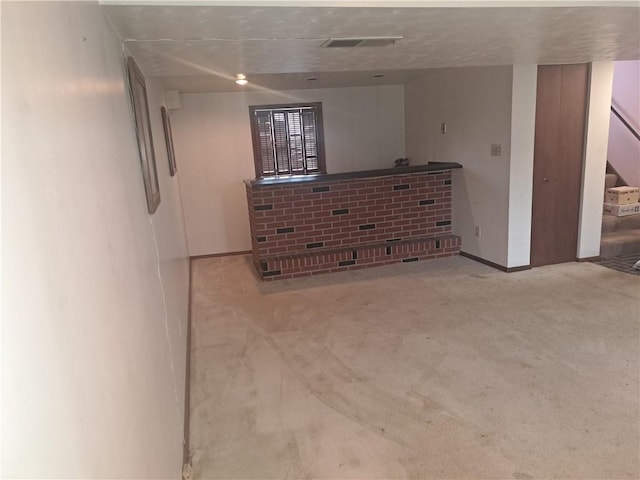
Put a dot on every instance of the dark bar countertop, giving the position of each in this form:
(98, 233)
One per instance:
(332, 177)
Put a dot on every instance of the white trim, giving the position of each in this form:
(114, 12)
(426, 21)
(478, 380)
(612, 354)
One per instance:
(523, 125)
(595, 158)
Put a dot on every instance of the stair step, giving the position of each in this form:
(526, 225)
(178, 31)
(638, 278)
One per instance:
(620, 243)
(611, 223)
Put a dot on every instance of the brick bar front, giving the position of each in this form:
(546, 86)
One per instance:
(338, 222)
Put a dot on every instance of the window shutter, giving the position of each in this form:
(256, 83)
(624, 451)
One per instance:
(286, 139)
(296, 148)
(263, 119)
(280, 141)
(310, 139)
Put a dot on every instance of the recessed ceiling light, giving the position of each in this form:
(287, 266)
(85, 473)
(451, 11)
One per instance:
(241, 79)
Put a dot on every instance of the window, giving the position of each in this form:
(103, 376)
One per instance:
(287, 139)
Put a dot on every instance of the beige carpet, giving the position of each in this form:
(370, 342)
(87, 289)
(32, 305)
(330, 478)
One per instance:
(442, 369)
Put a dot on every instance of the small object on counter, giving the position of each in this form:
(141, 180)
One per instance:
(402, 162)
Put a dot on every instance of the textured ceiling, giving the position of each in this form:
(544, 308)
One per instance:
(293, 81)
(218, 42)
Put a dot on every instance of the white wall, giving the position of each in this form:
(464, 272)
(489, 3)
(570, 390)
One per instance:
(475, 103)
(523, 125)
(624, 149)
(595, 158)
(363, 129)
(94, 297)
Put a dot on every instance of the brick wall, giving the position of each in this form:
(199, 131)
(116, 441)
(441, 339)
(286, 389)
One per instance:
(306, 228)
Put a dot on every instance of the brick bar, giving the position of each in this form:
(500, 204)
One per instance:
(299, 229)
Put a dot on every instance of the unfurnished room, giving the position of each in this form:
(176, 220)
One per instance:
(260, 239)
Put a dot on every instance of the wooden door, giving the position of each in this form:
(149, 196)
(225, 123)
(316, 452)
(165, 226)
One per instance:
(558, 158)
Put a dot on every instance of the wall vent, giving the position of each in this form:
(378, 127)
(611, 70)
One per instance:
(352, 42)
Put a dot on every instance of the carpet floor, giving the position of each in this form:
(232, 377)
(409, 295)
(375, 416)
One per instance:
(445, 369)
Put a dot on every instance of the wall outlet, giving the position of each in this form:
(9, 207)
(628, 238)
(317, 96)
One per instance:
(496, 149)
(477, 230)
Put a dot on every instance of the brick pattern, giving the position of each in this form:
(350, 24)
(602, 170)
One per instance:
(301, 229)
(363, 256)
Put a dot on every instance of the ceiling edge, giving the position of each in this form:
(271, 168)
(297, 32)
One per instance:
(378, 3)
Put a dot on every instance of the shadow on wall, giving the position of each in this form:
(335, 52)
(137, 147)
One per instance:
(463, 209)
(236, 219)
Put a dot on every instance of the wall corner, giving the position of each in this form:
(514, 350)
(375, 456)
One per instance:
(595, 158)
(523, 121)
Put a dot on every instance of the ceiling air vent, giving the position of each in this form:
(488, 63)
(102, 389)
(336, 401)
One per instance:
(360, 42)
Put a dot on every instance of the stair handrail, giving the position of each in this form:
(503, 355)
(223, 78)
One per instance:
(625, 123)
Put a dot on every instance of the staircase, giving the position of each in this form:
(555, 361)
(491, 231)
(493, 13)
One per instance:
(620, 235)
